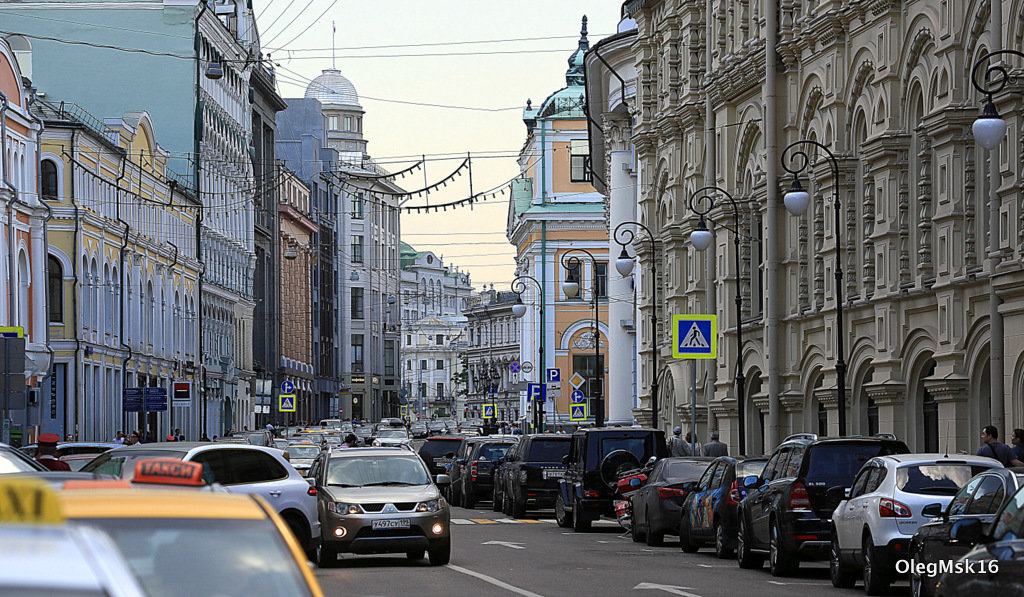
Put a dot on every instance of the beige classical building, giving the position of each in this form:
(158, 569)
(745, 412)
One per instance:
(934, 305)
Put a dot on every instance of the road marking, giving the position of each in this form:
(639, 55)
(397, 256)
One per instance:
(510, 521)
(484, 521)
(674, 590)
(530, 520)
(808, 584)
(511, 544)
(462, 521)
(492, 580)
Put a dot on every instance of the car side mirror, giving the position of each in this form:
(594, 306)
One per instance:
(751, 481)
(652, 460)
(565, 459)
(968, 530)
(311, 481)
(932, 510)
(287, 456)
(443, 480)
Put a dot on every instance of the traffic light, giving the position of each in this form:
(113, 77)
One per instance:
(465, 413)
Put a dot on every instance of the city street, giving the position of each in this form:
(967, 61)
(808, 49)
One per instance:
(495, 555)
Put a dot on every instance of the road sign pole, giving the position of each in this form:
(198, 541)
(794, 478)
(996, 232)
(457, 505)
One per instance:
(693, 407)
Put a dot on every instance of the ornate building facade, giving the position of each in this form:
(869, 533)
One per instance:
(931, 228)
(494, 336)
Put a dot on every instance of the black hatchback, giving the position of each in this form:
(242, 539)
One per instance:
(787, 513)
(709, 513)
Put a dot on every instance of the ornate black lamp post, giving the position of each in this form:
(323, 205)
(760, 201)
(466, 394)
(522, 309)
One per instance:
(519, 309)
(701, 239)
(624, 265)
(797, 201)
(571, 288)
(989, 128)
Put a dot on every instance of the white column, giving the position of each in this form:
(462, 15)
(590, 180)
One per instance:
(620, 357)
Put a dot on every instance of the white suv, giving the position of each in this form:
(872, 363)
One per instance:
(240, 468)
(878, 515)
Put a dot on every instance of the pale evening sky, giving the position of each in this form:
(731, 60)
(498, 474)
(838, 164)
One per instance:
(416, 51)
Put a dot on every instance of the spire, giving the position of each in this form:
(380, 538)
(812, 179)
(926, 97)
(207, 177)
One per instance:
(574, 76)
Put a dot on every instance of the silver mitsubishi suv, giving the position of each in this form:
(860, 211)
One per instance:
(379, 500)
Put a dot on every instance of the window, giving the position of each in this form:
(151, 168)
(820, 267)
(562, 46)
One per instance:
(348, 123)
(579, 161)
(332, 123)
(230, 467)
(584, 365)
(439, 339)
(357, 205)
(55, 288)
(601, 269)
(408, 365)
(440, 389)
(423, 389)
(357, 249)
(49, 180)
(822, 420)
(408, 339)
(962, 499)
(357, 303)
(440, 365)
(389, 357)
(423, 364)
(989, 496)
(357, 353)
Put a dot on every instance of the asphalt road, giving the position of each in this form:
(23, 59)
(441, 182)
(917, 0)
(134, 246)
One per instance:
(495, 555)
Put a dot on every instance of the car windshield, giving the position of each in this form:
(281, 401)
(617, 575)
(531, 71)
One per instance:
(434, 448)
(1010, 524)
(362, 471)
(548, 450)
(303, 451)
(316, 438)
(207, 556)
(935, 479)
(749, 468)
(835, 465)
(492, 451)
(393, 433)
(121, 463)
(678, 471)
(12, 462)
(364, 430)
(437, 425)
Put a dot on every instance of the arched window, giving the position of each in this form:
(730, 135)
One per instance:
(108, 300)
(49, 181)
(55, 289)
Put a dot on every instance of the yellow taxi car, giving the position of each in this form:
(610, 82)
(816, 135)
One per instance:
(197, 543)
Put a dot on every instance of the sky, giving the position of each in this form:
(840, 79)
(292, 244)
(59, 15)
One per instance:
(421, 51)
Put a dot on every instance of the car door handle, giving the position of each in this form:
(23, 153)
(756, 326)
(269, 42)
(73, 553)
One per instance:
(274, 493)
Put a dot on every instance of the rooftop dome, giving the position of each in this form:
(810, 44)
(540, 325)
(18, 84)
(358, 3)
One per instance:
(332, 88)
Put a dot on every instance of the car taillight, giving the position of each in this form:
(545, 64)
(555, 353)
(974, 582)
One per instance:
(472, 469)
(892, 509)
(671, 492)
(798, 497)
(735, 497)
(311, 491)
(590, 493)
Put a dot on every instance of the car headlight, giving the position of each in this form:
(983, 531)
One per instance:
(431, 505)
(340, 508)
(522, 476)
(376, 443)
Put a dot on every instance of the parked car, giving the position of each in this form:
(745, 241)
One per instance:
(13, 460)
(709, 512)
(879, 513)
(657, 505)
(529, 474)
(438, 451)
(787, 513)
(239, 467)
(998, 544)
(418, 430)
(980, 498)
(596, 457)
(380, 500)
(69, 448)
(477, 476)
(458, 466)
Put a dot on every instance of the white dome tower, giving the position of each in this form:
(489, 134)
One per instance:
(343, 116)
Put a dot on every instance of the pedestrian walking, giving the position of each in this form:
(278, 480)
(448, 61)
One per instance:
(1017, 439)
(178, 434)
(120, 438)
(675, 443)
(715, 448)
(46, 453)
(692, 447)
(993, 448)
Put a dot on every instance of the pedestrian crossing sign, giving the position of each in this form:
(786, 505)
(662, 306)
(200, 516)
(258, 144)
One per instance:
(578, 412)
(695, 336)
(286, 403)
(488, 411)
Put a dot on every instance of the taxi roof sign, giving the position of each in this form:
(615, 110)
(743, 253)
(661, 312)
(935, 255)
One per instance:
(29, 501)
(169, 471)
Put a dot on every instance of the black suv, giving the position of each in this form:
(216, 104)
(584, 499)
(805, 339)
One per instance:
(477, 475)
(530, 474)
(596, 458)
(787, 513)
(437, 453)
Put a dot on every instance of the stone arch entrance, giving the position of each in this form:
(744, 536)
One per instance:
(756, 418)
(924, 409)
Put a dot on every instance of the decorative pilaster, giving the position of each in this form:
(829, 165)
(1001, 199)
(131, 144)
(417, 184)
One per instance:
(746, 221)
(903, 221)
(804, 278)
(851, 242)
(869, 244)
(819, 247)
(924, 209)
(970, 192)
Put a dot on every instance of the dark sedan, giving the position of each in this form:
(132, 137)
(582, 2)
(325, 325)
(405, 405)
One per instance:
(980, 498)
(709, 512)
(657, 505)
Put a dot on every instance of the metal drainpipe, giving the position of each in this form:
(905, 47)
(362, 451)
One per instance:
(543, 242)
(711, 167)
(773, 347)
(74, 280)
(197, 135)
(121, 254)
(46, 244)
(997, 402)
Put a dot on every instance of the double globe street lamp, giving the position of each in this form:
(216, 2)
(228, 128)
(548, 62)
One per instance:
(519, 310)
(573, 267)
(797, 200)
(624, 265)
(701, 238)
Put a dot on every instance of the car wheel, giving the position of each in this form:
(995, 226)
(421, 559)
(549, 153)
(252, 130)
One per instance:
(876, 582)
(685, 540)
(416, 554)
(579, 523)
(496, 501)
(744, 557)
(841, 576)
(722, 549)
(469, 499)
(780, 562)
(634, 530)
(326, 556)
(456, 496)
(517, 508)
(917, 582)
(654, 539)
(441, 555)
(563, 518)
(298, 528)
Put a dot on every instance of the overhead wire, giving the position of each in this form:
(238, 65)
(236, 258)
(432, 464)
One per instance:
(302, 32)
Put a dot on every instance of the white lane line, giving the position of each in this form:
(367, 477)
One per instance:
(492, 580)
(462, 521)
(671, 589)
(510, 521)
(807, 584)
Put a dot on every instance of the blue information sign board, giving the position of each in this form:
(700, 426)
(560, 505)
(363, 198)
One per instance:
(155, 400)
(133, 400)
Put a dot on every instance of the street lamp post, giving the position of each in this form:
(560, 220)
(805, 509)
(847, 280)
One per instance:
(624, 265)
(571, 288)
(989, 128)
(701, 239)
(797, 201)
(519, 310)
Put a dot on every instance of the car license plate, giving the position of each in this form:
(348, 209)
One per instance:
(390, 523)
(557, 474)
(441, 460)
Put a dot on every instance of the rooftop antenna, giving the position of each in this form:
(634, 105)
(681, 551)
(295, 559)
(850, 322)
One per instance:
(334, 30)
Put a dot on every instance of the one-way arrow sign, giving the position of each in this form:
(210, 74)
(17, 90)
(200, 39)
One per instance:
(510, 544)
